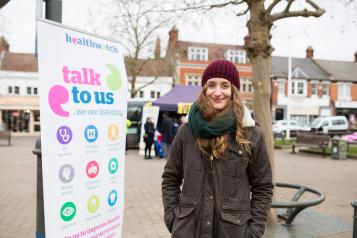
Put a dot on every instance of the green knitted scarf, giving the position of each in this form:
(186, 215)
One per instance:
(216, 127)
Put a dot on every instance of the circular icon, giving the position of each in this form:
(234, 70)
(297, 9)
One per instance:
(93, 204)
(113, 132)
(112, 198)
(64, 135)
(92, 169)
(68, 211)
(113, 165)
(91, 133)
(66, 173)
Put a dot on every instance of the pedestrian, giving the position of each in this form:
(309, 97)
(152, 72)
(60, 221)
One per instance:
(217, 181)
(148, 137)
(166, 129)
(127, 124)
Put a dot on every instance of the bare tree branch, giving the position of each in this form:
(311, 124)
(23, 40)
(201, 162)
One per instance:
(272, 5)
(242, 13)
(302, 13)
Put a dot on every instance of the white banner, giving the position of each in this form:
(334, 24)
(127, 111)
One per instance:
(83, 88)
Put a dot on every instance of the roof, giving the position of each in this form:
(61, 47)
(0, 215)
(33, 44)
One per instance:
(150, 67)
(19, 62)
(178, 94)
(340, 70)
(304, 68)
(215, 51)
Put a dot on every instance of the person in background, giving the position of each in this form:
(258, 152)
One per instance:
(166, 130)
(217, 181)
(148, 137)
(128, 124)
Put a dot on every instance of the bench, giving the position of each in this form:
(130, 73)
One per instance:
(311, 139)
(6, 135)
(293, 207)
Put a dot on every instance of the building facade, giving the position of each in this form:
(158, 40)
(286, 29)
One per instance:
(19, 90)
(191, 59)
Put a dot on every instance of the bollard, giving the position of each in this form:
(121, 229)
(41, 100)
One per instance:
(40, 221)
(354, 205)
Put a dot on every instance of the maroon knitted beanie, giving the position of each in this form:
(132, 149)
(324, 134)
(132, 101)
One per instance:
(221, 69)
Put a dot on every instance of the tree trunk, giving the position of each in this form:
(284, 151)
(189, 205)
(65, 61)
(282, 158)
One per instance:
(259, 50)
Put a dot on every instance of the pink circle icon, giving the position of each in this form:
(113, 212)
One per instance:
(92, 169)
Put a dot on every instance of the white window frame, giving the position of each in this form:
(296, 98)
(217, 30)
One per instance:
(198, 53)
(324, 86)
(193, 79)
(295, 83)
(281, 86)
(344, 91)
(246, 85)
(236, 56)
(314, 83)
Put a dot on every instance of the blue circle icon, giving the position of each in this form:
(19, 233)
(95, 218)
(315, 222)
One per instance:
(112, 198)
(91, 133)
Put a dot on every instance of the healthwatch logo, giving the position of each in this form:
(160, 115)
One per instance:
(59, 95)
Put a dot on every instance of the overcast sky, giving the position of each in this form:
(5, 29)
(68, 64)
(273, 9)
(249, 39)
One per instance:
(333, 36)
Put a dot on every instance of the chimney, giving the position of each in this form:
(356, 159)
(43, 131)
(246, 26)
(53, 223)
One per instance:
(173, 38)
(356, 57)
(157, 48)
(309, 53)
(4, 46)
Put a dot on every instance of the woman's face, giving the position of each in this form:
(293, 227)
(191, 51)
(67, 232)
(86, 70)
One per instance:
(219, 92)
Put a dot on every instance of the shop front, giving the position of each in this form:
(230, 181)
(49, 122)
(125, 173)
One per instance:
(20, 115)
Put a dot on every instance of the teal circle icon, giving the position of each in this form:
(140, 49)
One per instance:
(68, 211)
(113, 165)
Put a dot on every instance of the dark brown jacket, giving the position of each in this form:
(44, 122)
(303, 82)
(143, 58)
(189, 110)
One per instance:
(220, 198)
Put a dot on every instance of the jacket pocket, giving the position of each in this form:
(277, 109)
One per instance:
(184, 222)
(234, 225)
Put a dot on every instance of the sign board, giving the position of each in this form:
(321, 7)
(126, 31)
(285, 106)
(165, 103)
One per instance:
(83, 113)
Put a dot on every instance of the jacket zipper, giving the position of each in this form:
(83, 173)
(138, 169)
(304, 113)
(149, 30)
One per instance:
(211, 159)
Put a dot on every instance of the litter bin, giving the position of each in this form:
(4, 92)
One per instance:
(339, 148)
(40, 221)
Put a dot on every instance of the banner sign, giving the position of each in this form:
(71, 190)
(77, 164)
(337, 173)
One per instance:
(83, 88)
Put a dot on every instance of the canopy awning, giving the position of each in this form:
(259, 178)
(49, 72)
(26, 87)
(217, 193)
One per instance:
(179, 99)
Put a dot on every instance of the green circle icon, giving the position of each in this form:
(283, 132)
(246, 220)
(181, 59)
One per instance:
(113, 165)
(114, 78)
(68, 211)
(93, 204)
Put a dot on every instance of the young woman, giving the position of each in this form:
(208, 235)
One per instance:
(221, 161)
(148, 137)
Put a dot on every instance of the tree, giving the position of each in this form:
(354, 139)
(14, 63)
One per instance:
(135, 24)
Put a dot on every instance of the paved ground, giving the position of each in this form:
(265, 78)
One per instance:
(143, 213)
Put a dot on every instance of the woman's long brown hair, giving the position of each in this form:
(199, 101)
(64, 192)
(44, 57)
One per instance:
(218, 145)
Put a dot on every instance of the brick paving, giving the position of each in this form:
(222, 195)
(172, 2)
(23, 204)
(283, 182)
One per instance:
(143, 212)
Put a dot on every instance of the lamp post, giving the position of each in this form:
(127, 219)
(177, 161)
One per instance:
(54, 13)
(289, 93)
